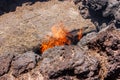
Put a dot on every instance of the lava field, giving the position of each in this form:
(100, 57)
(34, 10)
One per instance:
(64, 54)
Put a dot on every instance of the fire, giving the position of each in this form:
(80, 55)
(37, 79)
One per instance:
(60, 36)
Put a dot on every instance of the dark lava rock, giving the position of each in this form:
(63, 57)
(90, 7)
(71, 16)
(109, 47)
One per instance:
(23, 63)
(107, 44)
(87, 38)
(68, 63)
(113, 8)
(5, 62)
(101, 12)
(96, 4)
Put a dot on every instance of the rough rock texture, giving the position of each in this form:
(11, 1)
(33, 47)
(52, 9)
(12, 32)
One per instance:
(26, 27)
(24, 63)
(19, 66)
(95, 57)
(87, 38)
(101, 12)
(31, 75)
(107, 44)
(69, 62)
(5, 63)
(113, 9)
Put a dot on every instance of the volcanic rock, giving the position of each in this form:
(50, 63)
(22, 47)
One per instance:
(113, 8)
(68, 62)
(25, 62)
(95, 57)
(96, 4)
(87, 38)
(6, 77)
(107, 44)
(101, 12)
(5, 63)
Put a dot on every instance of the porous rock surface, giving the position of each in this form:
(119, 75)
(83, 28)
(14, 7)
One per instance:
(87, 38)
(15, 65)
(69, 62)
(25, 62)
(107, 44)
(98, 57)
(101, 12)
(5, 63)
(24, 28)
(100, 60)
(95, 57)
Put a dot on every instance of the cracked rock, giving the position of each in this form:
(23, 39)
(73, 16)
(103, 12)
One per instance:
(25, 62)
(101, 12)
(5, 62)
(68, 62)
(107, 44)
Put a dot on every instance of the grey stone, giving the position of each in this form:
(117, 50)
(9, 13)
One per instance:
(23, 63)
(5, 62)
(65, 61)
(87, 38)
(107, 44)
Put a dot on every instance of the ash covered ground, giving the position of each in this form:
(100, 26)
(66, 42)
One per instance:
(96, 56)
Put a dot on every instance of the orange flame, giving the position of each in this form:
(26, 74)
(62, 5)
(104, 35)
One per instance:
(59, 37)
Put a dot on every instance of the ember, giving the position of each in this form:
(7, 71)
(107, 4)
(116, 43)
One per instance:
(61, 36)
